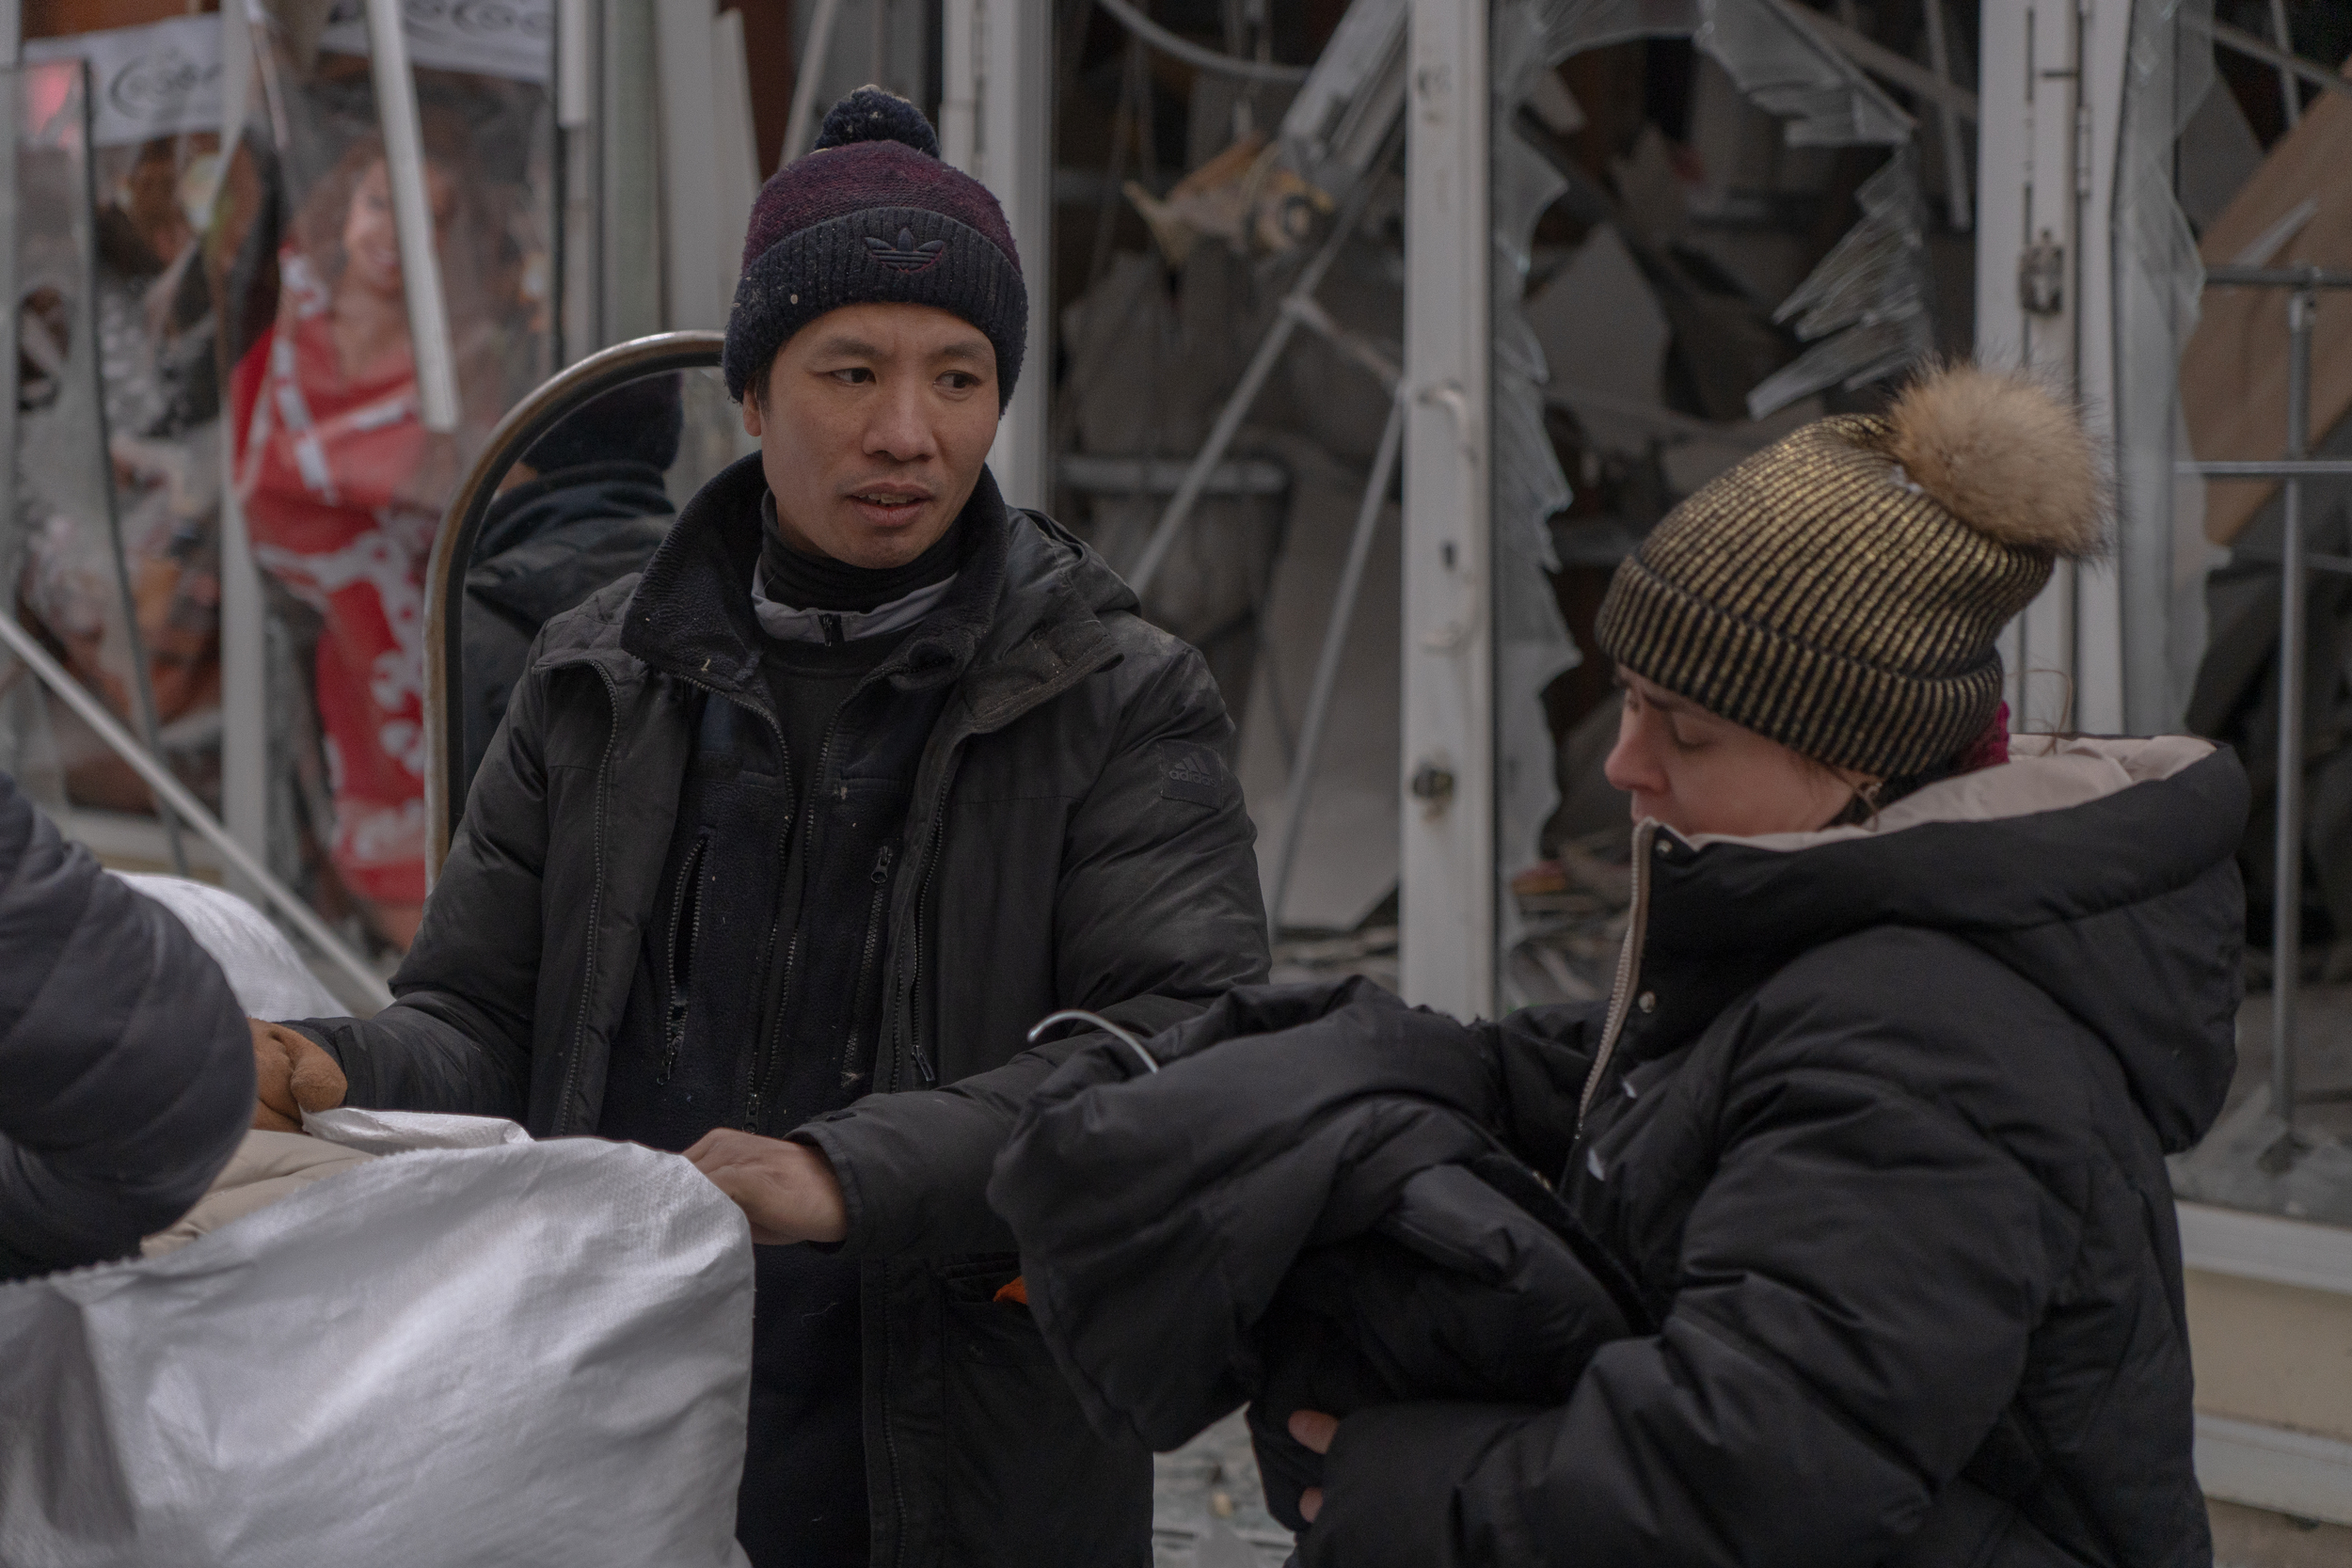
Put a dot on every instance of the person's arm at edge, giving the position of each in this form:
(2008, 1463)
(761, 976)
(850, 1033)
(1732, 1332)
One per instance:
(126, 1074)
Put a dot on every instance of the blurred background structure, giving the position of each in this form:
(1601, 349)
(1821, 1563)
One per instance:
(1376, 333)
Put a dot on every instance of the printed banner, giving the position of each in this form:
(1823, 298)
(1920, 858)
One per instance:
(160, 80)
(513, 39)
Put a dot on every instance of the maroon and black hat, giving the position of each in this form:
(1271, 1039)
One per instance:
(873, 215)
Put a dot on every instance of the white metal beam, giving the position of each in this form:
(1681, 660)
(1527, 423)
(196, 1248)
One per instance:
(1448, 855)
(244, 763)
(996, 125)
(429, 342)
(2051, 82)
(693, 268)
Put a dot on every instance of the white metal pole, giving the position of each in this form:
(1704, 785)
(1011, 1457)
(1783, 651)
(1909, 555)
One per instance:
(2098, 652)
(2286, 935)
(1448, 913)
(12, 112)
(808, 81)
(575, 65)
(2001, 238)
(693, 271)
(412, 217)
(244, 763)
(960, 83)
(996, 114)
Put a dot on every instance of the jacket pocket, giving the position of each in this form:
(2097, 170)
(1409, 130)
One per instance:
(1030, 1483)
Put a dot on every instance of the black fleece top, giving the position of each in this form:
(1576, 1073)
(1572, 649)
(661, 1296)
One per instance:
(757, 997)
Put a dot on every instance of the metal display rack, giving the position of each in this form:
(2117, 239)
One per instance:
(2295, 565)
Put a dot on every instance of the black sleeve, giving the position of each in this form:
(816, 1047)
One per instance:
(1859, 1280)
(126, 1066)
(457, 1036)
(1157, 914)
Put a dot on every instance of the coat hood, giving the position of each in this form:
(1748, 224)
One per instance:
(545, 545)
(2101, 870)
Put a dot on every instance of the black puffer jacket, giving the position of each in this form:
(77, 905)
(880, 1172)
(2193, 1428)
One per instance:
(1075, 839)
(1877, 1120)
(544, 547)
(126, 1069)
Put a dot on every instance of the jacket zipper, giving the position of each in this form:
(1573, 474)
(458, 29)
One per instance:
(908, 1032)
(1629, 966)
(859, 1019)
(685, 920)
(903, 1027)
(764, 1069)
(783, 845)
(595, 904)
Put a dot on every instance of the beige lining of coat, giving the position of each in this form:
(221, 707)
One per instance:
(2044, 772)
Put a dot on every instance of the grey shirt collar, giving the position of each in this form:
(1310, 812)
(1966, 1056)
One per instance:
(787, 625)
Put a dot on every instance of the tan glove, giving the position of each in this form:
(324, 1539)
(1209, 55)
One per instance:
(291, 1075)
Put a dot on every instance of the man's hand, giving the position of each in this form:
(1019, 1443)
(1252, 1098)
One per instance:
(291, 1075)
(786, 1190)
(1313, 1431)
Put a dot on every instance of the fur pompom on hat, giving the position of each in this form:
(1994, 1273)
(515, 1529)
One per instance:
(1840, 590)
(2004, 456)
(873, 216)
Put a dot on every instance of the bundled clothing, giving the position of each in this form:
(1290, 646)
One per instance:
(669, 909)
(126, 1072)
(1373, 1238)
(1875, 1122)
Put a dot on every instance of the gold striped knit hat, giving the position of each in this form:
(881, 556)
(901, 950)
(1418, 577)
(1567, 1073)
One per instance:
(1839, 592)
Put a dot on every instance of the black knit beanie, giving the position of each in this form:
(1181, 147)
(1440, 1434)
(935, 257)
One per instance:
(873, 215)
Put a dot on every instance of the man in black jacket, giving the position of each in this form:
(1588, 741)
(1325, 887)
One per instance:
(124, 1078)
(585, 506)
(782, 848)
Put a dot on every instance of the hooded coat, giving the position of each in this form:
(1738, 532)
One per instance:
(1875, 1119)
(1073, 840)
(544, 547)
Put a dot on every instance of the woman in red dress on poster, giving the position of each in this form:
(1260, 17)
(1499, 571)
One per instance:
(343, 488)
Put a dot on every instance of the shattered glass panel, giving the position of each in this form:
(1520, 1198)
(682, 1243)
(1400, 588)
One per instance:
(2161, 553)
(1786, 70)
(1572, 26)
(1864, 310)
(1870, 292)
(1532, 645)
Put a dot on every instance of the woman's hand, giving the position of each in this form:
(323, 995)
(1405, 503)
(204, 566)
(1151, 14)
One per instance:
(786, 1190)
(1312, 1430)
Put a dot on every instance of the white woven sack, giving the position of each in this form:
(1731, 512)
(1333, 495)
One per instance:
(269, 978)
(508, 1355)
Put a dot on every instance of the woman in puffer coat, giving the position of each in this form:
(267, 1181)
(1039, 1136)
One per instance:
(1908, 1015)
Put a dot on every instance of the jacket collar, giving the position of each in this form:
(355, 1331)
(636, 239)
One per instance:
(1022, 623)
